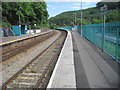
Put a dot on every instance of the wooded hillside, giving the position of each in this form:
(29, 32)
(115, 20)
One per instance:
(90, 15)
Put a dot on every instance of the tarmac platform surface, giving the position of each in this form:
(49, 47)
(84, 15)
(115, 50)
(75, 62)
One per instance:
(91, 69)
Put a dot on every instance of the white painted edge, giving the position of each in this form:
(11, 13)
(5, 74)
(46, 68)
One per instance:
(56, 66)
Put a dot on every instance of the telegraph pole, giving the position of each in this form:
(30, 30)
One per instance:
(75, 18)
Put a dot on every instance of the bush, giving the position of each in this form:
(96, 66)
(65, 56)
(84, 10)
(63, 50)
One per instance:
(53, 26)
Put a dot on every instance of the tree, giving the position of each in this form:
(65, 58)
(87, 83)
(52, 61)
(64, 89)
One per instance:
(111, 5)
(29, 12)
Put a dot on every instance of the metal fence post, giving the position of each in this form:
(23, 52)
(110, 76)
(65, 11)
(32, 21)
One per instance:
(102, 38)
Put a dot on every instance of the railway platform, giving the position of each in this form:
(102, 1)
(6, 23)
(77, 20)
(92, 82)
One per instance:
(82, 65)
(18, 38)
(64, 73)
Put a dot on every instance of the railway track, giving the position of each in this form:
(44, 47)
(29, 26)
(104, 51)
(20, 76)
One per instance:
(36, 73)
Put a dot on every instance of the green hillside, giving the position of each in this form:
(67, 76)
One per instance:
(90, 16)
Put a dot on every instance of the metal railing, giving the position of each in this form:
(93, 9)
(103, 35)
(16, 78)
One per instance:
(107, 39)
(69, 28)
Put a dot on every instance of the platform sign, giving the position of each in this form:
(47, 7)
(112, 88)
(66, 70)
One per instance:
(104, 10)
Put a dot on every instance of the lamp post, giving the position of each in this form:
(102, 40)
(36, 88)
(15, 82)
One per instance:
(81, 17)
(74, 16)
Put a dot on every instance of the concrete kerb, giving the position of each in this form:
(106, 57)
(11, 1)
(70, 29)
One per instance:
(63, 75)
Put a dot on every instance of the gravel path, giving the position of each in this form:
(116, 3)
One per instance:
(11, 67)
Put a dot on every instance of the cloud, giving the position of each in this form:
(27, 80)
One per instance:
(84, 5)
(50, 7)
(78, 4)
(75, 7)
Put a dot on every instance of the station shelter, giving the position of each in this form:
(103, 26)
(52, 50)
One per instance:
(19, 29)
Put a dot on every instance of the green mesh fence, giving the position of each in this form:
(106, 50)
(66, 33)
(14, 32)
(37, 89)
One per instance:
(107, 39)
